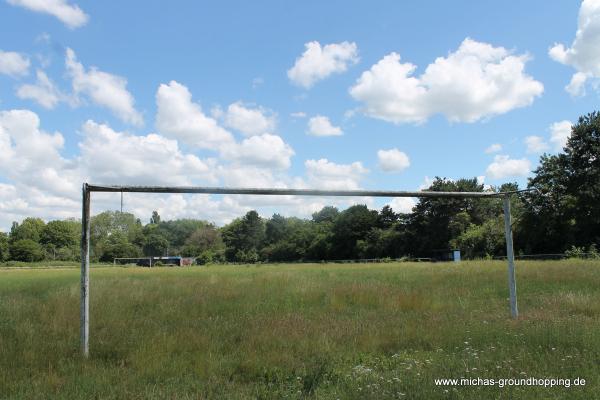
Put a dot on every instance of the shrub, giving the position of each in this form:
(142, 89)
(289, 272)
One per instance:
(26, 250)
(575, 252)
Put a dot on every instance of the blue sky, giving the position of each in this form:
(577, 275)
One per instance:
(338, 94)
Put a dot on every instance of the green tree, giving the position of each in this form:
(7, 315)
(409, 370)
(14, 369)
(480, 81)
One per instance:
(116, 246)
(351, 225)
(326, 214)
(30, 228)
(108, 223)
(155, 244)
(180, 230)
(387, 217)
(204, 240)
(61, 233)
(483, 240)
(435, 221)
(3, 246)
(26, 250)
(243, 237)
(155, 218)
(563, 210)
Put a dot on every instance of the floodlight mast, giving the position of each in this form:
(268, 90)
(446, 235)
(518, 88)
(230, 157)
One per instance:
(89, 188)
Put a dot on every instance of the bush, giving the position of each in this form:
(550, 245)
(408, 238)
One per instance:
(575, 252)
(206, 257)
(26, 250)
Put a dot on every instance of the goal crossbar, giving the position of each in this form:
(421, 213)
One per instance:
(285, 191)
(86, 219)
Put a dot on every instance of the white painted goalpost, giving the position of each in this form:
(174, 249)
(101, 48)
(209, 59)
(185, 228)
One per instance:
(85, 227)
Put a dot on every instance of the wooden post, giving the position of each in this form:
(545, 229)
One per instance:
(85, 272)
(510, 256)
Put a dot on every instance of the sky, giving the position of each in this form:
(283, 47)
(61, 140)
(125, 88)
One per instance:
(335, 95)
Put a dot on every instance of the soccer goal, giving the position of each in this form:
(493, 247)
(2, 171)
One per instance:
(89, 188)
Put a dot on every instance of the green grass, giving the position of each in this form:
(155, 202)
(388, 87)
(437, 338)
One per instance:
(320, 331)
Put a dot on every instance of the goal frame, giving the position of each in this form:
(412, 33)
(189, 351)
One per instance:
(87, 190)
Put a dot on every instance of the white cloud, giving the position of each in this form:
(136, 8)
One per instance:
(265, 150)
(560, 133)
(43, 183)
(493, 148)
(536, 144)
(427, 182)
(584, 53)
(403, 205)
(393, 160)
(178, 117)
(299, 114)
(504, 166)
(317, 63)
(114, 157)
(576, 86)
(104, 89)
(325, 174)
(31, 157)
(44, 92)
(249, 121)
(70, 14)
(13, 64)
(475, 82)
(321, 126)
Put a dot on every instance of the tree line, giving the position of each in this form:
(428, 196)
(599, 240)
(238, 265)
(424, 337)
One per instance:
(560, 213)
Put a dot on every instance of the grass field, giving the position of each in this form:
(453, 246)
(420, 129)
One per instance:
(323, 331)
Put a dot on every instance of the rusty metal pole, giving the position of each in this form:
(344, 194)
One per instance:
(510, 256)
(85, 272)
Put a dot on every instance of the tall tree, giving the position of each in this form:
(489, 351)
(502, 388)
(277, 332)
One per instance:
(61, 233)
(155, 218)
(3, 246)
(30, 228)
(243, 237)
(435, 221)
(351, 225)
(563, 210)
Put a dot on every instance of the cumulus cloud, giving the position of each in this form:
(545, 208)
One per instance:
(44, 91)
(31, 156)
(41, 182)
(536, 144)
(108, 156)
(13, 64)
(265, 150)
(476, 81)
(560, 133)
(403, 205)
(325, 174)
(321, 126)
(249, 120)
(178, 117)
(584, 53)
(504, 166)
(317, 63)
(104, 89)
(493, 148)
(69, 14)
(393, 160)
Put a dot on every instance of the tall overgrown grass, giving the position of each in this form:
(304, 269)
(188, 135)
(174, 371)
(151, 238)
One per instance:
(323, 331)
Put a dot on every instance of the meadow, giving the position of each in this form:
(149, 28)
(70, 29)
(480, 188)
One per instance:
(316, 331)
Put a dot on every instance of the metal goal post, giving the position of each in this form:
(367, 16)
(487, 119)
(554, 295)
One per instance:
(89, 188)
